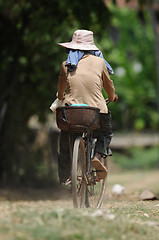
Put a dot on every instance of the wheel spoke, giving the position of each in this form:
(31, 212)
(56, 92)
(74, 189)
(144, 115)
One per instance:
(95, 189)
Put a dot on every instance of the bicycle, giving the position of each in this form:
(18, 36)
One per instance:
(87, 191)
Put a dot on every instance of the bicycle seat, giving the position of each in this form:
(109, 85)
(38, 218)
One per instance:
(79, 105)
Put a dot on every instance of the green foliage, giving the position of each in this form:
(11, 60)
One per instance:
(132, 56)
(138, 158)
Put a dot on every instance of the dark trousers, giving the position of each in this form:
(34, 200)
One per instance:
(103, 134)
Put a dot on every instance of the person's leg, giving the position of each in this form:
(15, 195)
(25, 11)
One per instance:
(64, 161)
(103, 135)
(102, 145)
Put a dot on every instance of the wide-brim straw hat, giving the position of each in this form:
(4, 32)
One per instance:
(81, 40)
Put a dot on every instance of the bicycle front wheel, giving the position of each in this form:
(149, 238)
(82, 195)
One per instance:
(78, 174)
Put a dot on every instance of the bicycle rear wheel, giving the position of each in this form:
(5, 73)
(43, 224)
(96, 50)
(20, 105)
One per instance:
(78, 174)
(96, 190)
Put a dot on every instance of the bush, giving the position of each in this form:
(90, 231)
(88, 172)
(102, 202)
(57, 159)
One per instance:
(138, 158)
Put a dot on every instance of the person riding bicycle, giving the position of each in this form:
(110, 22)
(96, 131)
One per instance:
(82, 77)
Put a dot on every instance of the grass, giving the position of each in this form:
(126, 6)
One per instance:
(121, 217)
(33, 221)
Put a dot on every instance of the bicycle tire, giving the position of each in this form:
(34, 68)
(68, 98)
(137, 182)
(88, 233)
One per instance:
(78, 174)
(95, 192)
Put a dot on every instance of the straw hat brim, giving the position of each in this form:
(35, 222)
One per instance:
(78, 46)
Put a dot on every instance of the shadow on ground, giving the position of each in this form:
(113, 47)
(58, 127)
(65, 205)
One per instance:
(29, 194)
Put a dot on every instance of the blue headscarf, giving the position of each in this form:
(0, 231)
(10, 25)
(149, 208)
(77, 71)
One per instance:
(75, 56)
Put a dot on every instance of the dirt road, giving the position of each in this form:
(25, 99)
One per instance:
(134, 183)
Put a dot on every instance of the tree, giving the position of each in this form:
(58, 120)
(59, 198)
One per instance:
(135, 78)
(30, 65)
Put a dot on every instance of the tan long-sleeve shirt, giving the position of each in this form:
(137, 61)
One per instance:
(84, 85)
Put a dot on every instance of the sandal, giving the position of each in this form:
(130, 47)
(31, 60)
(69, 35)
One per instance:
(101, 170)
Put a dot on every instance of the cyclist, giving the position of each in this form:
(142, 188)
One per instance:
(81, 79)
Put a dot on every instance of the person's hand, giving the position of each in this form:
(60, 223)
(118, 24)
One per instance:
(61, 98)
(115, 98)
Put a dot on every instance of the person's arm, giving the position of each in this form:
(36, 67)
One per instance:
(62, 82)
(108, 85)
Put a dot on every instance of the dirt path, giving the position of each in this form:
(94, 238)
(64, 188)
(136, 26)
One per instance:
(134, 182)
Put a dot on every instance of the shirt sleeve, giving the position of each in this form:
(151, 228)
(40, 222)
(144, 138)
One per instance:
(62, 82)
(108, 84)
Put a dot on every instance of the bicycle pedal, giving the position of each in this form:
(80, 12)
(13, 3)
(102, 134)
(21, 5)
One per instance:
(67, 182)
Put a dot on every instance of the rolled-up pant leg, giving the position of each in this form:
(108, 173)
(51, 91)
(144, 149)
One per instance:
(104, 135)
